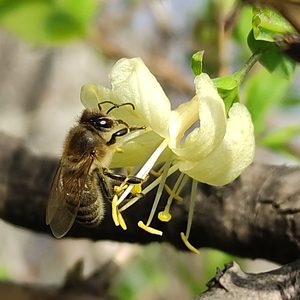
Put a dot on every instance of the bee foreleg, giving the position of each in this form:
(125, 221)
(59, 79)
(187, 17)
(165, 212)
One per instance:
(114, 136)
(120, 177)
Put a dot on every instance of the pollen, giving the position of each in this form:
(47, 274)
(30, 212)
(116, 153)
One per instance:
(124, 189)
(119, 150)
(137, 189)
(149, 229)
(164, 216)
(121, 220)
(115, 210)
(118, 189)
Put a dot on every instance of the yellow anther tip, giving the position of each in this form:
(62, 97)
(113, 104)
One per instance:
(188, 244)
(137, 189)
(119, 150)
(114, 210)
(164, 216)
(119, 189)
(121, 221)
(149, 229)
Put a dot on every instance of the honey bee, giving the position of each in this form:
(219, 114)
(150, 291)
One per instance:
(83, 180)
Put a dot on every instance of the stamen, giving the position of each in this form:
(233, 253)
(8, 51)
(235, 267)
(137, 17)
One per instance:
(114, 210)
(137, 189)
(172, 193)
(134, 134)
(146, 168)
(156, 173)
(120, 188)
(185, 236)
(165, 215)
(121, 221)
(119, 150)
(182, 184)
(159, 191)
(153, 184)
(149, 229)
(149, 188)
(188, 244)
(167, 188)
(191, 208)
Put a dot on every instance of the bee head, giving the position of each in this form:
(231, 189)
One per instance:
(98, 121)
(109, 127)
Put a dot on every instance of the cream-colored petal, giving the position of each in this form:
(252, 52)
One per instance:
(132, 82)
(206, 111)
(91, 94)
(234, 154)
(137, 151)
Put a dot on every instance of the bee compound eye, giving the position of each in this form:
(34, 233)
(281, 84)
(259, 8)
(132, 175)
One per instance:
(103, 123)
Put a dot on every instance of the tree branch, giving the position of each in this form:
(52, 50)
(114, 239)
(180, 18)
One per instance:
(233, 284)
(95, 287)
(256, 216)
(229, 284)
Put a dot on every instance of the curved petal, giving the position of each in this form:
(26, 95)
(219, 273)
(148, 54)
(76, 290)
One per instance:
(136, 151)
(132, 82)
(207, 107)
(234, 154)
(91, 94)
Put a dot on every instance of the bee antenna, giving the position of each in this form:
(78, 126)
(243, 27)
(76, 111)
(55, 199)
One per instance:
(103, 102)
(114, 105)
(119, 105)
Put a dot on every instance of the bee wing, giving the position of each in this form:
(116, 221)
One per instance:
(65, 196)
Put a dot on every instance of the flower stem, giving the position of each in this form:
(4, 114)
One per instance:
(241, 74)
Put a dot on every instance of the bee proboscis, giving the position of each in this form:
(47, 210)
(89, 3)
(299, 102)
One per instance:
(82, 180)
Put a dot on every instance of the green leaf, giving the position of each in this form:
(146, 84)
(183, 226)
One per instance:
(272, 58)
(228, 89)
(280, 137)
(290, 102)
(280, 141)
(197, 59)
(47, 22)
(267, 23)
(261, 91)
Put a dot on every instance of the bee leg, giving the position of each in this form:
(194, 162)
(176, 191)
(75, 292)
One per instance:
(120, 177)
(108, 194)
(133, 128)
(104, 186)
(114, 136)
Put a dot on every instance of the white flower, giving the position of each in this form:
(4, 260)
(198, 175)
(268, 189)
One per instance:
(197, 138)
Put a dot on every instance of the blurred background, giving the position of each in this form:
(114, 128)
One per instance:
(49, 49)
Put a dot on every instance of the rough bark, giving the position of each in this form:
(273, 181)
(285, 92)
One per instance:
(75, 287)
(229, 284)
(233, 284)
(256, 216)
